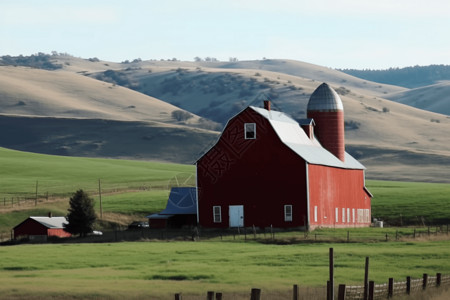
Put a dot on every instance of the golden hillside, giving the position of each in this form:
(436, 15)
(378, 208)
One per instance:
(393, 140)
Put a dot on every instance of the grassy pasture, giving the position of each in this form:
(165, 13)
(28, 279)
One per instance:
(140, 187)
(63, 175)
(156, 270)
(406, 203)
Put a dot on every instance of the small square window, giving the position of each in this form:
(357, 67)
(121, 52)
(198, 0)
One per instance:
(288, 213)
(217, 214)
(250, 131)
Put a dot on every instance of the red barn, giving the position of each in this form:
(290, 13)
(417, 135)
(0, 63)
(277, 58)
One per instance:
(267, 169)
(40, 228)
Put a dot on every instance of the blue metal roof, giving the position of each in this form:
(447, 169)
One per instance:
(182, 201)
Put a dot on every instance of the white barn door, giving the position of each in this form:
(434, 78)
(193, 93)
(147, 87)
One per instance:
(236, 213)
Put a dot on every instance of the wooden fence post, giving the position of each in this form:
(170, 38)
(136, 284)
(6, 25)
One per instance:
(210, 295)
(438, 279)
(341, 292)
(295, 292)
(331, 287)
(425, 281)
(391, 288)
(371, 289)
(256, 294)
(366, 279)
(408, 285)
(328, 290)
(178, 296)
(414, 236)
(218, 296)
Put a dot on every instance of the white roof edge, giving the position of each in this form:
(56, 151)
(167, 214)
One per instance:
(312, 153)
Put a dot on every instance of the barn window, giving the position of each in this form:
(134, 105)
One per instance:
(337, 215)
(288, 213)
(217, 214)
(348, 215)
(360, 215)
(366, 216)
(343, 215)
(315, 213)
(353, 214)
(250, 131)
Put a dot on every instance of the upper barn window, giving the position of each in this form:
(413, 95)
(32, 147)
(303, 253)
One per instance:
(250, 131)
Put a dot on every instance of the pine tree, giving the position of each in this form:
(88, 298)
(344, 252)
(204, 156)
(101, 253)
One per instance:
(81, 216)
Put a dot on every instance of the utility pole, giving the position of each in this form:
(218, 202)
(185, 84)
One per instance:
(35, 199)
(100, 196)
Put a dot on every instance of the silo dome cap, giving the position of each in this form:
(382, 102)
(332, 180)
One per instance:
(324, 98)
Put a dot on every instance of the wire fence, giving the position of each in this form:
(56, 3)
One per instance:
(391, 288)
(42, 195)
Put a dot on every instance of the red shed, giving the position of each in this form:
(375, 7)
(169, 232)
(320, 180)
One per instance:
(40, 228)
(268, 169)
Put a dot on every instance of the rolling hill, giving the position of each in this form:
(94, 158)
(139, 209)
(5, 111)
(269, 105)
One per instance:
(435, 97)
(116, 110)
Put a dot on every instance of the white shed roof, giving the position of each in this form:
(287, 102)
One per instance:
(293, 136)
(53, 222)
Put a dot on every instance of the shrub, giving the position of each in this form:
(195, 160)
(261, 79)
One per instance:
(181, 115)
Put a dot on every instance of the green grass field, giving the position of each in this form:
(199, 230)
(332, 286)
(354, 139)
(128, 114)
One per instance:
(157, 270)
(406, 203)
(139, 188)
(62, 175)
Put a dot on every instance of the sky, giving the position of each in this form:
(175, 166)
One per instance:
(354, 34)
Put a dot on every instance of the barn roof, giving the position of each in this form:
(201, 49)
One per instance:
(53, 222)
(293, 136)
(182, 201)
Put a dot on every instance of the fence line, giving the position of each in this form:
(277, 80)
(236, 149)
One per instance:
(31, 199)
(391, 289)
(376, 291)
(264, 235)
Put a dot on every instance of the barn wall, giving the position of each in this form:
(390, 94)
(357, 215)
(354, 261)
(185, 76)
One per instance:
(29, 227)
(58, 232)
(341, 189)
(261, 174)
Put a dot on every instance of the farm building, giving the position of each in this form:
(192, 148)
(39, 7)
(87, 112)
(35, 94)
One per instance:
(181, 209)
(40, 228)
(267, 169)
